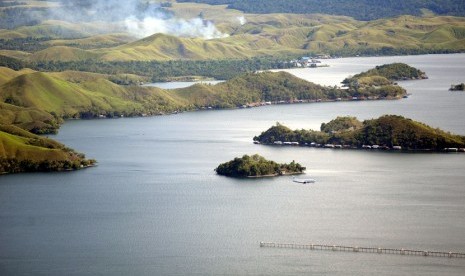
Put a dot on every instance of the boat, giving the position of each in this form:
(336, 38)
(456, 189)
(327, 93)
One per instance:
(304, 180)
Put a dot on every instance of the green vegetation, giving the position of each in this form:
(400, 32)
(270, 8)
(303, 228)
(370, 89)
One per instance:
(457, 87)
(360, 9)
(381, 77)
(90, 44)
(38, 101)
(257, 166)
(22, 151)
(165, 70)
(393, 72)
(341, 124)
(386, 132)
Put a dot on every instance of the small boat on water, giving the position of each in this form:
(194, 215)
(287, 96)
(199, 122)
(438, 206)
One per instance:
(304, 180)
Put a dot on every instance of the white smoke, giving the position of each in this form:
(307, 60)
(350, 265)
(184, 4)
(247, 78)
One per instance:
(139, 18)
(241, 20)
(195, 27)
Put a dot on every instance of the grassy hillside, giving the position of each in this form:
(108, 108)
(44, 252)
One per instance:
(256, 35)
(62, 53)
(42, 99)
(31, 119)
(94, 42)
(386, 132)
(277, 34)
(22, 151)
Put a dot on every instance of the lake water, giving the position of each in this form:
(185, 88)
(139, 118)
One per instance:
(154, 205)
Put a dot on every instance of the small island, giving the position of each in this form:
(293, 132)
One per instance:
(388, 132)
(457, 87)
(257, 166)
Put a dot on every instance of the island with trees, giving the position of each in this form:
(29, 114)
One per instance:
(257, 166)
(457, 87)
(382, 78)
(388, 132)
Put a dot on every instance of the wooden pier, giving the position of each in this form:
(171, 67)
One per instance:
(378, 250)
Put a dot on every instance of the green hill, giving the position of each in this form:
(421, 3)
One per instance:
(72, 94)
(22, 151)
(261, 35)
(166, 47)
(386, 132)
(393, 72)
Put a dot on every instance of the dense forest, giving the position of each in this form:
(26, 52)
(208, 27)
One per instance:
(157, 70)
(165, 70)
(257, 166)
(386, 132)
(359, 9)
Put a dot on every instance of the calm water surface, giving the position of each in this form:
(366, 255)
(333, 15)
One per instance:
(154, 205)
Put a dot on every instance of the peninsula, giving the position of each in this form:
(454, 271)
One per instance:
(257, 166)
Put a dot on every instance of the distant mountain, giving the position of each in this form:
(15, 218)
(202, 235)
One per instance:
(358, 9)
(262, 35)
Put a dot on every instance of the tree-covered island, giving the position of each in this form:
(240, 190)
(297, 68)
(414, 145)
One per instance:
(22, 151)
(382, 78)
(386, 132)
(257, 166)
(457, 87)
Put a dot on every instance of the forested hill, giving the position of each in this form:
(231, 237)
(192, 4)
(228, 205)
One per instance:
(387, 132)
(358, 9)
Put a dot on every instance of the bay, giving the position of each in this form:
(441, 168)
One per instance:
(154, 205)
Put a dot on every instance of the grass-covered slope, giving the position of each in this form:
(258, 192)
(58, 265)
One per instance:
(50, 93)
(36, 99)
(22, 151)
(386, 132)
(31, 119)
(279, 35)
(63, 54)
(260, 35)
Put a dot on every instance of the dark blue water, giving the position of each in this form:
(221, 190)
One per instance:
(154, 205)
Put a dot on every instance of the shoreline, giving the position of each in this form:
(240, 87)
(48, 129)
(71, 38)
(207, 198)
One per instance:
(366, 148)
